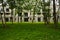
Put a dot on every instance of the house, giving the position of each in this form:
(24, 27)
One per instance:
(26, 15)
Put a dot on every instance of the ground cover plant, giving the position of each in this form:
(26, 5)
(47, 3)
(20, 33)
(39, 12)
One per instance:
(29, 31)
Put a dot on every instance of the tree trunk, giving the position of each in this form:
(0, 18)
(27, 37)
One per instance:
(48, 15)
(21, 15)
(54, 13)
(59, 11)
(44, 12)
(12, 16)
(33, 16)
(18, 17)
(4, 22)
(34, 12)
(4, 17)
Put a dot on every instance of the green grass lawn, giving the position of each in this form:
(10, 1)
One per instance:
(29, 31)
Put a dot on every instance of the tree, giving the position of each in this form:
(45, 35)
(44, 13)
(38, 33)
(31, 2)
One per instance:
(19, 8)
(48, 15)
(46, 11)
(1, 18)
(3, 5)
(54, 14)
(58, 12)
(34, 10)
(1, 15)
(28, 5)
(12, 5)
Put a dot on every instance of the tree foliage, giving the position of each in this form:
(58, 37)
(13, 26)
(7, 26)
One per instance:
(11, 3)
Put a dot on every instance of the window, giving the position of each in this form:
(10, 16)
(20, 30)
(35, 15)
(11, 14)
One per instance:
(43, 13)
(11, 18)
(19, 14)
(25, 14)
(38, 13)
(25, 19)
(30, 18)
(21, 19)
(6, 19)
(39, 19)
(7, 13)
(7, 9)
(1, 13)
